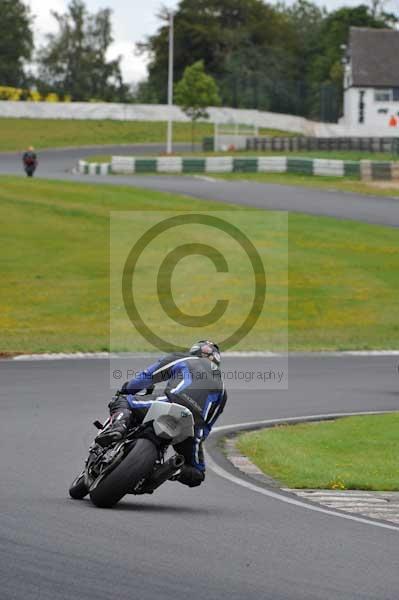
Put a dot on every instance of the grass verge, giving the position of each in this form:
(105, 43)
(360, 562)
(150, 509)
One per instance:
(17, 134)
(55, 261)
(343, 279)
(344, 184)
(356, 453)
(329, 154)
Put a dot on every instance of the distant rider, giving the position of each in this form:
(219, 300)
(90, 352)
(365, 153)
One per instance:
(30, 161)
(193, 379)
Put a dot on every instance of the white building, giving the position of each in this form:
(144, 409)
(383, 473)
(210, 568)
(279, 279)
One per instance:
(371, 82)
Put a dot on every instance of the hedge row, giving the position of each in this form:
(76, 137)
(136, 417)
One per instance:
(16, 94)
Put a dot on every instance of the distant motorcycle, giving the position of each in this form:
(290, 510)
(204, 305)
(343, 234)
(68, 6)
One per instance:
(29, 160)
(137, 464)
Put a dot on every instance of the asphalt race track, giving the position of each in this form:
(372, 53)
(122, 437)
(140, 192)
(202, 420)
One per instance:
(57, 164)
(219, 541)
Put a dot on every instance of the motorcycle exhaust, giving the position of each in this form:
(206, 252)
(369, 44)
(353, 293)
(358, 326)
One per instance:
(177, 460)
(163, 473)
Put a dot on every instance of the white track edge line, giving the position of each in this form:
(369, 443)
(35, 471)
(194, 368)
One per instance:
(281, 497)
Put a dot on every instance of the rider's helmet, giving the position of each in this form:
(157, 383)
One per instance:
(207, 349)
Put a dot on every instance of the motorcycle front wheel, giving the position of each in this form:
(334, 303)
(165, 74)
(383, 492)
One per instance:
(78, 489)
(134, 467)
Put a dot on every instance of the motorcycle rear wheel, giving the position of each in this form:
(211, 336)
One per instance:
(134, 467)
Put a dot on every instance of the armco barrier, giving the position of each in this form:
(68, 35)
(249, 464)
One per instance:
(302, 166)
(245, 165)
(364, 169)
(381, 170)
(352, 169)
(145, 165)
(194, 165)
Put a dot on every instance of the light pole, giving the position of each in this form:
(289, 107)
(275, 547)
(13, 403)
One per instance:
(170, 85)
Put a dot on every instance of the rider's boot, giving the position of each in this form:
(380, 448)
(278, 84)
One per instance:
(120, 422)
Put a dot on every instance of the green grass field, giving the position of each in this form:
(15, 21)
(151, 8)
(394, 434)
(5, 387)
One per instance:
(55, 261)
(343, 276)
(357, 453)
(17, 134)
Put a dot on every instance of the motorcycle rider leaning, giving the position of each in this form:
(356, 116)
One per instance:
(193, 379)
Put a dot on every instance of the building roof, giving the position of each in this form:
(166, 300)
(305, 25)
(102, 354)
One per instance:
(374, 55)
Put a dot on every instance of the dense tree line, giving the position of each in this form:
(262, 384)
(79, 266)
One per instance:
(72, 62)
(262, 55)
(272, 57)
(16, 42)
(74, 59)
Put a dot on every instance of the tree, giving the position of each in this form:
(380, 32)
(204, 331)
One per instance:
(219, 32)
(271, 57)
(307, 21)
(325, 69)
(195, 92)
(377, 10)
(16, 42)
(74, 60)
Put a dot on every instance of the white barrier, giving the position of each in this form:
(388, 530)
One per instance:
(272, 164)
(122, 164)
(219, 164)
(161, 112)
(169, 164)
(323, 166)
(364, 169)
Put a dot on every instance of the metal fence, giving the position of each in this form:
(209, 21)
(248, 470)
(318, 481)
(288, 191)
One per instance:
(293, 144)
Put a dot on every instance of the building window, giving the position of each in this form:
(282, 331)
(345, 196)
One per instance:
(361, 106)
(383, 95)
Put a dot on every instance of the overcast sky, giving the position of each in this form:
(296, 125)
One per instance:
(132, 21)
